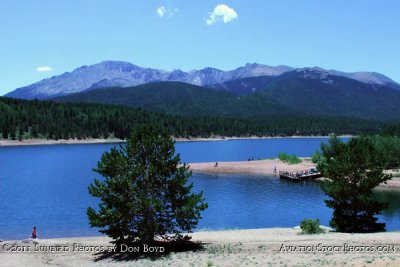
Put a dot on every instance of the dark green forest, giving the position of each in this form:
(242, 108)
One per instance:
(289, 94)
(25, 119)
(181, 99)
(392, 130)
(389, 149)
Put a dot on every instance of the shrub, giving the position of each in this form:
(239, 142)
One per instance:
(283, 156)
(316, 157)
(291, 159)
(310, 226)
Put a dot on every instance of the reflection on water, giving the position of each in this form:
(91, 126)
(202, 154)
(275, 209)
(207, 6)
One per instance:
(393, 199)
(250, 201)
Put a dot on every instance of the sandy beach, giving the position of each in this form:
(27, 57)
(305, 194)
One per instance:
(33, 142)
(227, 138)
(254, 247)
(266, 167)
(262, 167)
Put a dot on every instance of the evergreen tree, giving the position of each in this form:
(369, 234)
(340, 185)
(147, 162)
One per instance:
(13, 133)
(58, 120)
(34, 131)
(20, 134)
(145, 192)
(4, 133)
(352, 170)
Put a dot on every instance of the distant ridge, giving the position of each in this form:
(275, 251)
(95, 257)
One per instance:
(180, 99)
(125, 74)
(302, 91)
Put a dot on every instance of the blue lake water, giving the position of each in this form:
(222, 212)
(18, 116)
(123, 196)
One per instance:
(46, 186)
(236, 150)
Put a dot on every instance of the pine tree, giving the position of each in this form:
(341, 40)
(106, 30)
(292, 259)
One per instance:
(352, 170)
(145, 192)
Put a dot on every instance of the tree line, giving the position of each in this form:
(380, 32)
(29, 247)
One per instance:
(26, 119)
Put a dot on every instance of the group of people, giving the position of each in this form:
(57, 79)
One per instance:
(299, 173)
(252, 159)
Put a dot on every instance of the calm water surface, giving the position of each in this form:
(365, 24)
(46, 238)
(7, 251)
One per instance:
(46, 186)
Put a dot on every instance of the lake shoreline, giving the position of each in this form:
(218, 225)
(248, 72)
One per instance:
(226, 138)
(267, 167)
(32, 142)
(43, 142)
(264, 247)
(261, 167)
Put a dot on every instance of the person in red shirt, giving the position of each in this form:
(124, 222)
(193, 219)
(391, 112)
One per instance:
(34, 233)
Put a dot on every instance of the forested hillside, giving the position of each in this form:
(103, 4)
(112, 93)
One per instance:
(293, 93)
(392, 130)
(319, 93)
(244, 86)
(181, 99)
(23, 119)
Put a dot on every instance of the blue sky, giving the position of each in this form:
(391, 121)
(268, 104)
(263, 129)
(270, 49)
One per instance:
(55, 36)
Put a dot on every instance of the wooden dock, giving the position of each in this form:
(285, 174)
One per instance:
(298, 176)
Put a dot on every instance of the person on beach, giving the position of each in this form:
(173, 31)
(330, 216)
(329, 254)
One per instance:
(216, 165)
(275, 169)
(34, 232)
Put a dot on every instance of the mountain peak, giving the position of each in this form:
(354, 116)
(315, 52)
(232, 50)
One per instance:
(209, 69)
(254, 65)
(119, 65)
(122, 74)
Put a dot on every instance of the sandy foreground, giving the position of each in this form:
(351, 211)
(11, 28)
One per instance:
(256, 247)
(266, 167)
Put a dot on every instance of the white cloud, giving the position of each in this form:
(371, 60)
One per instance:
(173, 12)
(222, 12)
(44, 69)
(162, 11)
